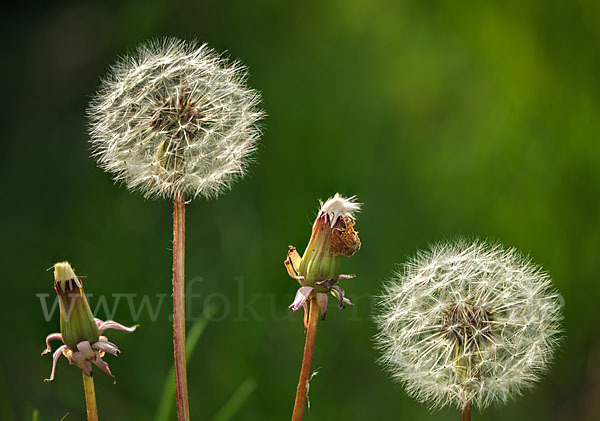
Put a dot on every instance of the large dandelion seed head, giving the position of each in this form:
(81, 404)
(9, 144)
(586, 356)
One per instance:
(175, 118)
(468, 323)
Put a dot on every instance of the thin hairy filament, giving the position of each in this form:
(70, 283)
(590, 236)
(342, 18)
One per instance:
(309, 348)
(465, 413)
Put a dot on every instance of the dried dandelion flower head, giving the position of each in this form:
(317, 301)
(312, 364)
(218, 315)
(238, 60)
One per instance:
(318, 270)
(175, 119)
(468, 323)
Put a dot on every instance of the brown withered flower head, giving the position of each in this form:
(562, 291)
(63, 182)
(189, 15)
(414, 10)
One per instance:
(80, 332)
(317, 271)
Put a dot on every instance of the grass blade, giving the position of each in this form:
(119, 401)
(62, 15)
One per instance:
(236, 401)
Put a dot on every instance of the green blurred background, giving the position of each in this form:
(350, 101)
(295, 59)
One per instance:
(445, 118)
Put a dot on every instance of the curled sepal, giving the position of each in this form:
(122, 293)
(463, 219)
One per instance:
(338, 293)
(292, 264)
(330, 285)
(51, 337)
(105, 346)
(59, 351)
(111, 324)
(322, 301)
(302, 295)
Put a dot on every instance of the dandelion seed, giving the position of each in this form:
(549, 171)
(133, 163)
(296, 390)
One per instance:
(468, 323)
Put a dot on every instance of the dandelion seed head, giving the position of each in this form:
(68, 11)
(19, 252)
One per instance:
(468, 322)
(175, 118)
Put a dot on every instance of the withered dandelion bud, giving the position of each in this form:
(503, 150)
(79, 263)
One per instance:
(317, 271)
(81, 333)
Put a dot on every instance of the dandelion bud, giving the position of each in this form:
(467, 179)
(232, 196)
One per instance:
(318, 270)
(81, 333)
(468, 323)
(76, 319)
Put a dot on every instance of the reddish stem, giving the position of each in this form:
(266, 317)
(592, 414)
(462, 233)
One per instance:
(183, 411)
(465, 414)
(309, 348)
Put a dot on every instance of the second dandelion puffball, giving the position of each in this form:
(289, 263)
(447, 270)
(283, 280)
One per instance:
(173, 119)
(468, 323)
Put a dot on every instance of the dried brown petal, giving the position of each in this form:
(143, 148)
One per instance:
(344, 240)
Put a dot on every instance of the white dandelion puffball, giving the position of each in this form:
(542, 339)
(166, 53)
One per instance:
(468, 323)
(175, 119)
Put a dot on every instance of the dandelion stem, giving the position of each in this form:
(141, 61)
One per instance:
(309, 348)
(465, 414)
(90, 397)
(179, 307)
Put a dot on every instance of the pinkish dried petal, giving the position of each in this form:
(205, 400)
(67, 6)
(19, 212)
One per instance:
(85, 349)
(301, 297)
(55, 356)
(339, 294)
(101, 364)
(105, 346)
(51, 337)
(322, 301)
(83, 363)
(111, 324)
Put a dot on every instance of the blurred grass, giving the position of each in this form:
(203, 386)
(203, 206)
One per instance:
(234, 404)
(166, 405)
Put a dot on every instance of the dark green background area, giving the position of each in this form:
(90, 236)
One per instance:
(445, 118)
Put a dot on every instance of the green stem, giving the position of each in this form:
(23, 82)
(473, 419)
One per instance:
(90, 397)
(183, 412)
(309, 349)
